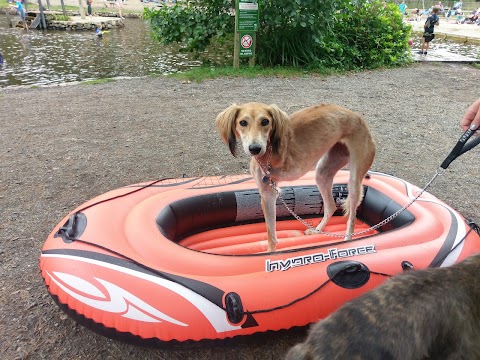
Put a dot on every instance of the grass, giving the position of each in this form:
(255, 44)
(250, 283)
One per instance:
(4, 4)
(205, 72)
(98, 81)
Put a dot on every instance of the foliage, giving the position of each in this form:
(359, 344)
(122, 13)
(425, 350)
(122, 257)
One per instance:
(343, 34)
(193, 25)
(369, 34)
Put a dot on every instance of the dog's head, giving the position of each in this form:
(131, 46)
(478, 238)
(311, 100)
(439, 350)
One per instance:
(255, 124)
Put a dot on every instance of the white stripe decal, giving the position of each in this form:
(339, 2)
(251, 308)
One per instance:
(457, 245)
(215, 315)
(121, 301)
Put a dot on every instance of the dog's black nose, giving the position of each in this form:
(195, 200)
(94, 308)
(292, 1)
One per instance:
(254, 149)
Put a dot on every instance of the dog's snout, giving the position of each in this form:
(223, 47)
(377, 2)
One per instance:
(254, 149)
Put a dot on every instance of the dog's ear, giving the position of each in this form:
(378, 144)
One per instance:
(226, 126)
(279, 127)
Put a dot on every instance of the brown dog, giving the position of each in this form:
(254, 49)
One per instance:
(424, 314)
(285, 148)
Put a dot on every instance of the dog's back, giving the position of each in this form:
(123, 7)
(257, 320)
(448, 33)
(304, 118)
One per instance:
(427, 314)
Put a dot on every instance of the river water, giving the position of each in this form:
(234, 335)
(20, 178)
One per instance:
(56, 57)
(53, 57)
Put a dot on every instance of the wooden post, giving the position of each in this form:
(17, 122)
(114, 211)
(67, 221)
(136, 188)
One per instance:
(42, 15)
(63, 8)
(82, 9)
(251, 61)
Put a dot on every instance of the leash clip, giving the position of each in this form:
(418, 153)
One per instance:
(461, 147)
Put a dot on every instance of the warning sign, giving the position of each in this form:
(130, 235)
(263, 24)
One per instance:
(246, 44)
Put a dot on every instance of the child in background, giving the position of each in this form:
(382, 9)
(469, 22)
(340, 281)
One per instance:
(21, 13)
(432, 21)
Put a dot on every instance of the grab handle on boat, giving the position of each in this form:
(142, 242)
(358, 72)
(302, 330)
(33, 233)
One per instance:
(234, 308)
(461, 147)
(348, 274)
(73, 228)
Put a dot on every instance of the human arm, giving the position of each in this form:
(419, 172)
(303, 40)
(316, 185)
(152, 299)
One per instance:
(471, 119)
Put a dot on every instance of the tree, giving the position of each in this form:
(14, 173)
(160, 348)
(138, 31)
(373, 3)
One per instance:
(346, 34)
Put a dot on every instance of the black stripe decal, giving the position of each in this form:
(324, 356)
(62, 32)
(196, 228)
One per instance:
(447, 245)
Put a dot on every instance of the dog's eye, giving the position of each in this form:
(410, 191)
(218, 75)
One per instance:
(265, 122)
(243, 123)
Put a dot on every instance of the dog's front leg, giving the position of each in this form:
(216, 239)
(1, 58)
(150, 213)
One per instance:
(268, 197)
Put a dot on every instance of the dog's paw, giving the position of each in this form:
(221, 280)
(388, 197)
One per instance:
(272, 245)
(271, 248)
(311, 232)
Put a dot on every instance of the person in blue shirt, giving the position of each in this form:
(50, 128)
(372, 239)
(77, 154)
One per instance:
(428, 35)
(21, 13)
(402, 7)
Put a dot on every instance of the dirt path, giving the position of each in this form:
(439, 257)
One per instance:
(61, 146)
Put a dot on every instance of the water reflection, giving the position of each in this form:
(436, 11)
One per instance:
(52, 57)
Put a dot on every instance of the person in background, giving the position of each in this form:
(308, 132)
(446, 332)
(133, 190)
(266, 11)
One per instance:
(21, 13)
(457, 9)
(119, 5)
(432, 21)
(89, 7)
(471, 119)
(403, 7)
(442, 10)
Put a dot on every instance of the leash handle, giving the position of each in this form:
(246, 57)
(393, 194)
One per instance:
(461, 147)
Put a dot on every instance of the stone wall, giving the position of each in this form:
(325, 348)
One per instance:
(107, 23)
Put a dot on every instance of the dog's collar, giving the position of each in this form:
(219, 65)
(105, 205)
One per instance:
(266, 168)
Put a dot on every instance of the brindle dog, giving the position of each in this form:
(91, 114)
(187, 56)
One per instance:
(424, 314)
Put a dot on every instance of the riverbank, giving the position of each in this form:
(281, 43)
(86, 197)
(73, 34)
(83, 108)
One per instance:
(449, 29)
(65, 145)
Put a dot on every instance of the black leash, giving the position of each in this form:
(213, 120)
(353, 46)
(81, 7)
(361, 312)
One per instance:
(462, 146)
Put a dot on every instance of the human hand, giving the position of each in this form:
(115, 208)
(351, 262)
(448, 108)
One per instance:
(471, 119)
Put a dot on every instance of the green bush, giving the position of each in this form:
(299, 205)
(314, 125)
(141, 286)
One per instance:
(345, 34)
(369, 35)
(193, 26)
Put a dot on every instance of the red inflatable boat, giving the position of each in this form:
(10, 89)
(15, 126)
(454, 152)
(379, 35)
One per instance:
(185, 259)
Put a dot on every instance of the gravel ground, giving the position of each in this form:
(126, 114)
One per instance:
(61, 146)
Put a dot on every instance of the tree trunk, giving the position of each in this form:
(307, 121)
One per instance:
(42, 15)
(82, 9)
